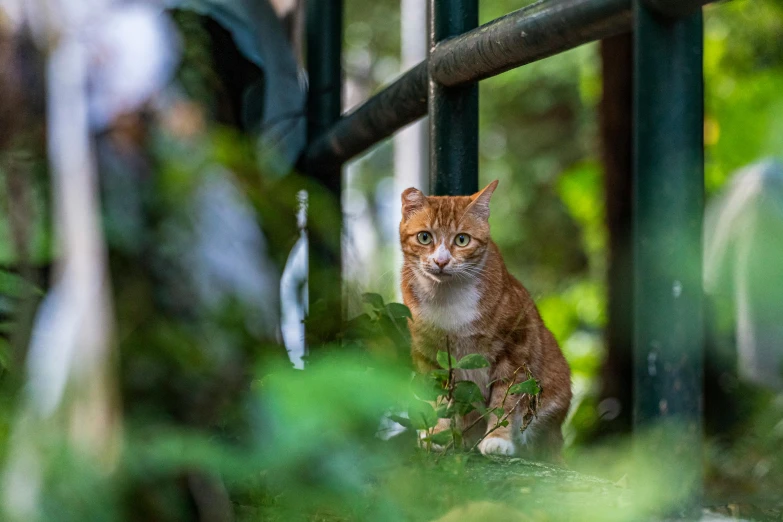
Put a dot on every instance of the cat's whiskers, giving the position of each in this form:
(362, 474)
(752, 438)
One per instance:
(474, 271)
(466, 275)
(469, 281)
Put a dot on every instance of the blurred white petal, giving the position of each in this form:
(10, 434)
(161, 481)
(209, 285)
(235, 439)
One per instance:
(132, 49)
(12, 11)
(228, 255)
(134, 52)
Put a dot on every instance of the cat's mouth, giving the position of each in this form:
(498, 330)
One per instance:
(437, 275)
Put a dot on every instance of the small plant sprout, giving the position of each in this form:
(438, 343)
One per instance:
(442, 394)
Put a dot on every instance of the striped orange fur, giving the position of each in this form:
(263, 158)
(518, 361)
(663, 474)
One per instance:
(462, 298)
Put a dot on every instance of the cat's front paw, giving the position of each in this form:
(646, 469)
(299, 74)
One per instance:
(496, 446)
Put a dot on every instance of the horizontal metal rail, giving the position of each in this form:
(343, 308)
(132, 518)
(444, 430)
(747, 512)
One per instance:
(402, 102)
(529, 34)
(534, 32)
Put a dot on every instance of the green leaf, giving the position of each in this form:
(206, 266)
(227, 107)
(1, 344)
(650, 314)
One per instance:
(427, 388)
(457, 438)
(442, 438)
(440, 374)
(404, 421)
(5, 354)
(467, 392)
(398, 310)
(393, 333)
(360, 327)
(504, 423)
(422, 415)
(402, 328)
(530, 386)
(471, 362)
(443, 359)
(374, 300)
(457, 408)
(443, 411)
(14, 285)
(402, 324)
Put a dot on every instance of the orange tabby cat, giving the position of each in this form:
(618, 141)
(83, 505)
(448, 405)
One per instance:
(462, 298)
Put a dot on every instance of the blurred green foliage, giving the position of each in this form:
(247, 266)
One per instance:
(743, 69)
(314, 454)
(215, 416)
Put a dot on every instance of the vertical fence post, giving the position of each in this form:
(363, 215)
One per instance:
(453, 111)
(616, 128)
(324, 106)
(667, 231)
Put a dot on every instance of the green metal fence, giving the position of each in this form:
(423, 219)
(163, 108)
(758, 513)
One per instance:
(668, 155)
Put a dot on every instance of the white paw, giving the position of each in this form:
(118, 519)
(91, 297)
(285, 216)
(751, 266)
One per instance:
(496, 446)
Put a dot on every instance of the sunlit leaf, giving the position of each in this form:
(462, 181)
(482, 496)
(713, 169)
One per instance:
(471, 362)
(530, 387)
(440, 374)
(443, 359)
(397, 310)
(426, 387)
(374, 300)
(422, 415)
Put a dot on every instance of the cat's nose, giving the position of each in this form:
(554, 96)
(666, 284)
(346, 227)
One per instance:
(442, 262)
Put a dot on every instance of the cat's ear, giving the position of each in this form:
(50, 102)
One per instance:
(413, 200)
(479, 205)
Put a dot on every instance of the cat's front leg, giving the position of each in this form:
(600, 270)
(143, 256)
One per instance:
(498, 439)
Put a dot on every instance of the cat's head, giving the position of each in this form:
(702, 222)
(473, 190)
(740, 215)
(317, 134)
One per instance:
(445, 237)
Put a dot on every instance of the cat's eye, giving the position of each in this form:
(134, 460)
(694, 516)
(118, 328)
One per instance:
(462, 240)
(425, 238)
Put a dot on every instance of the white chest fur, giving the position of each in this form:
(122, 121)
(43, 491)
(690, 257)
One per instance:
(450, 307)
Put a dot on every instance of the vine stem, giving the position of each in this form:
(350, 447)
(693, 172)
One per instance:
(450, 396)
(497, 425)
(503, 403)
(506, 415)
